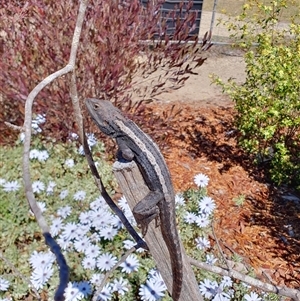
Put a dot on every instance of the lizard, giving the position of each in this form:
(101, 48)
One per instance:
(159, 204)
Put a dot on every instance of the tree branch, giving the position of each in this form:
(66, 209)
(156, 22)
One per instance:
(18, 273)
(283, 291)
(64, 275)
(82, 137)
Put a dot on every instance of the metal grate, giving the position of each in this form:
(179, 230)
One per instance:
(170, 6)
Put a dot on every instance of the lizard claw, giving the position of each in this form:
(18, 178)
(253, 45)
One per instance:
(144, 229)
(157, 221)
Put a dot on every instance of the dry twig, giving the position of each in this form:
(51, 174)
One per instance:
(64, 275)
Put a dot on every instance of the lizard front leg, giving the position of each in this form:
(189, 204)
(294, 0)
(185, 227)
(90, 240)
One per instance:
(124, 152)
(146, 210)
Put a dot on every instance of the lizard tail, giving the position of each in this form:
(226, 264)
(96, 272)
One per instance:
(171, 238)
(177, 271)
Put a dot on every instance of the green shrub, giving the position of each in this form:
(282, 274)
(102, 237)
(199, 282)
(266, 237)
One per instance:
(267, 103)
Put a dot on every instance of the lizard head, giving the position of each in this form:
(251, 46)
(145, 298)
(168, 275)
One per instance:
(104, 113)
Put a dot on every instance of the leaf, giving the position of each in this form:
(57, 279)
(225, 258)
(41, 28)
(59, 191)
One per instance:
(183, 79)
(200, 61)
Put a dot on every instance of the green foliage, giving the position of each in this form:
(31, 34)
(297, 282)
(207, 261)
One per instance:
(239, 200)
(191, 231)
(20, 234)
(271, 297)
(268, 103)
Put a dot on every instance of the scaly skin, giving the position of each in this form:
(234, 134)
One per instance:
(135, 145)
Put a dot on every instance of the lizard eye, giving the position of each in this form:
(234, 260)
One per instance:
(96, 106)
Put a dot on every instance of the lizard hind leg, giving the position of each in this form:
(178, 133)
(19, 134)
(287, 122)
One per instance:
(147, 210)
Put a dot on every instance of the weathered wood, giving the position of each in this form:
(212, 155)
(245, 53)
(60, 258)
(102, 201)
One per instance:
(134, 189)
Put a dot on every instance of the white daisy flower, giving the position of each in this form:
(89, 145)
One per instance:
(43, 156)
(106, 261)
(190, 217)
(41, 259)
(210, 259)
(4, 284)
(152, 290)
(98, 203)
(72, 292)
(38, 186)
(50, 188)
(11, 186)
(91, 140)
(108, 233)
(207, 205)
(22, 137)
(70, 231)
(105, 294)
(207, 288)
(92, 251)
(201, 180)
(42, 206)
(69, 163)
(226, 282)
(82, 244)
(63, 194)
(81, 150)
(74, 136)
(34, 154)
(120, 286)
(202, 221)
(89, 263)
(130, 265)
(202, 243)
(79, 195)
(252, 297)
(64, 211)
(40, 276)
(97, 279)
(56, 226)
(179, 200)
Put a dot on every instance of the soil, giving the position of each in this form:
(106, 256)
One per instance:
(265, 230)
(221, 61)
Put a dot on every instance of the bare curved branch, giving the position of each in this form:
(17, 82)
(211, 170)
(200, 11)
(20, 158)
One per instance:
(267, 287)
(64, 274)
(19, 274)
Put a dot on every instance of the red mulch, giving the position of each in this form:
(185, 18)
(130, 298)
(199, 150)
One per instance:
(258, 230)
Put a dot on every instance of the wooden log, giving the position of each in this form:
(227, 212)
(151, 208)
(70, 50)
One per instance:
(134, 189)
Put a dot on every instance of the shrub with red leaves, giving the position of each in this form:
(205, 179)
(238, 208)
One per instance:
(112, 62)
